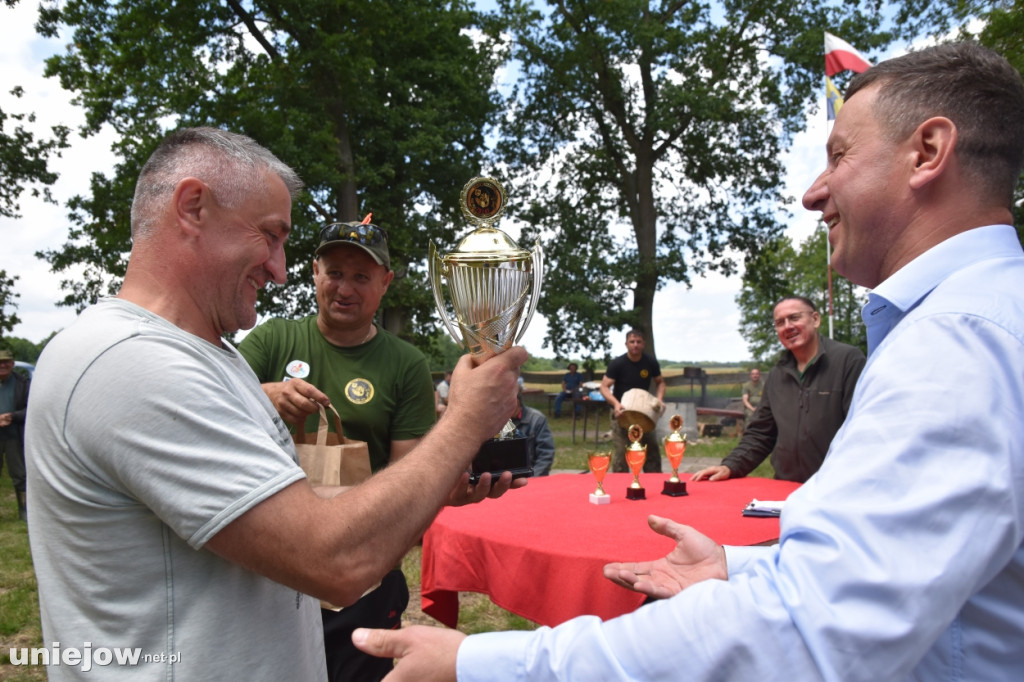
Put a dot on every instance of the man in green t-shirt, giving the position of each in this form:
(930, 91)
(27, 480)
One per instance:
(751, 392)
(379, 384)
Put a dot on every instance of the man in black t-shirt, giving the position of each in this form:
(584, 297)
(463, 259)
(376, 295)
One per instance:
(635, 369)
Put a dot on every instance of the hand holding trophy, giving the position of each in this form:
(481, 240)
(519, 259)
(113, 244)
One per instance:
(490, 281)
(675, 447)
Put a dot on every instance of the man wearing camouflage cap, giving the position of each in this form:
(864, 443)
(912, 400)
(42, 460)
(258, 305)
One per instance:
(379, 384)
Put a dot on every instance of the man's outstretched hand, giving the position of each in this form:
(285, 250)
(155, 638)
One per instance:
(695, 558)
(425, 654)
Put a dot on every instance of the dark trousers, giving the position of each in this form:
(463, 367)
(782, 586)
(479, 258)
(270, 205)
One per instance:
(382, 608)
(564, 395)
(12, 451)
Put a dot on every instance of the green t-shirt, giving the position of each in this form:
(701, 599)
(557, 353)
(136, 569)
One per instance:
(753, 391)
(382, 389)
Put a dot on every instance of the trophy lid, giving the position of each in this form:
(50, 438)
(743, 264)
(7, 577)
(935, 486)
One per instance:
(487, 243)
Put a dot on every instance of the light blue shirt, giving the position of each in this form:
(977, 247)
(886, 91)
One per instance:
(902, 558)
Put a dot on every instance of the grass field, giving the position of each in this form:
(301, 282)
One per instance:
(19, 612)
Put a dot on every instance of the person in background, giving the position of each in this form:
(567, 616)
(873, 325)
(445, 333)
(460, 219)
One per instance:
(379, 384)
(541, 443)
(441, 393)
(169, 513)
(903, 557)
(14, 389)
(571, 382)
(805, 400)
(633, 369)
(751, 394)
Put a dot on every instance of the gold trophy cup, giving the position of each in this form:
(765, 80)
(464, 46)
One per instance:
(675, 448)
(494, 288)
(598, 462)
(636, 455)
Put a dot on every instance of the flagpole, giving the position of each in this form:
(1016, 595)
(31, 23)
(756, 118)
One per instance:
(828, 254)
(828, 268)
(839, 56)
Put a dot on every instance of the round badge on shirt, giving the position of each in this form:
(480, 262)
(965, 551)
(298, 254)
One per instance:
(297, 369)
(359, 391)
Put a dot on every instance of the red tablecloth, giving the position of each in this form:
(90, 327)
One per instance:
(539, 551)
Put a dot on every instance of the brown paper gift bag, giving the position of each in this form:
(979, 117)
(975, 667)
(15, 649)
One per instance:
(331, 458)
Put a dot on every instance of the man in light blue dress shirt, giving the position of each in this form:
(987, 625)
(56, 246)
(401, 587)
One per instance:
(902, 558)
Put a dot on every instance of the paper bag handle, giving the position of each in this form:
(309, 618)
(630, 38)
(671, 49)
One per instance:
(321, 433)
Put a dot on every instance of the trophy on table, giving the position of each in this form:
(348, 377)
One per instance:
(598, 462)
(675, 447)
(636, 455)
(494, 288)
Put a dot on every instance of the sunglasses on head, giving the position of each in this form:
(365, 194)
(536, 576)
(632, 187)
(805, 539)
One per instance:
(367, 234)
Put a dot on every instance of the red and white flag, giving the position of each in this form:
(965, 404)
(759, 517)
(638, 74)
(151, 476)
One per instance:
(840, 56)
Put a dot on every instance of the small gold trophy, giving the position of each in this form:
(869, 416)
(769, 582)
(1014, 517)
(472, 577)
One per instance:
(636, 455)
(599, 462)
(490, 281)
(675, 448)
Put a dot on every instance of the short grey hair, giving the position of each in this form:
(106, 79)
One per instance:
(231, 164)
(975, 88)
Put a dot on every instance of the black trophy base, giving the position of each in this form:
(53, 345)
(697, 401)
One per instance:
(502, 454)
(674, 489)
(636, 494)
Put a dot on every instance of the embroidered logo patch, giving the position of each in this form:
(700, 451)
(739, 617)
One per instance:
(359, 391)
(297, 369)
(644, 374)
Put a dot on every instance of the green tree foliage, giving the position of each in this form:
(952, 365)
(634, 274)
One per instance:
(659, 128)
(24, 159)
(779, 270)
(442, 352)
(23, 349)
(8, 320)
(382, 107)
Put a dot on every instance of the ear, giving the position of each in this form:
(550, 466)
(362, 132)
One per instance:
(388, 277)
(191, 203)
(933, 149)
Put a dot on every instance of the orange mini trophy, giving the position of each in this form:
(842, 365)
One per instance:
(675, 448)
(599, 462)
(636, 455)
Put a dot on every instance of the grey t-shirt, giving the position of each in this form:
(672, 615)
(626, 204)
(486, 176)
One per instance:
(144, 441)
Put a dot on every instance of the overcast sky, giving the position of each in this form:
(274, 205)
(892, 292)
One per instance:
(700, 324)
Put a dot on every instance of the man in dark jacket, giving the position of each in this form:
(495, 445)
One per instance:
(13, 400)
(540, 442)
(805, 400)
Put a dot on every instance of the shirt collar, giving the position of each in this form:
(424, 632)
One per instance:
(905, 288)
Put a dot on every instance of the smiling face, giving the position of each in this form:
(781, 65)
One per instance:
(862, 193)
(349, 287)
(246, 251)
(796, 325)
